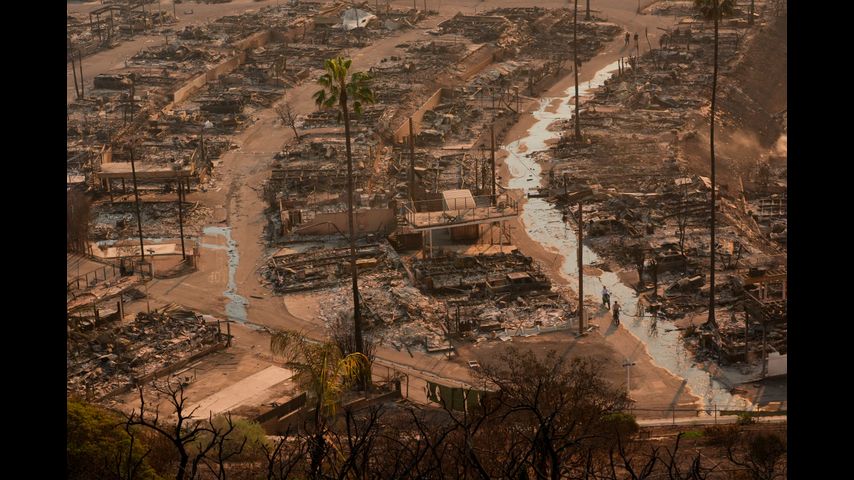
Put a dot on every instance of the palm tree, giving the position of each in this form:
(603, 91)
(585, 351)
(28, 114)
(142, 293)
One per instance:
(708, 7)
(716, 16)
(337, 92)
(575, 69)
(320, 368)
(324, 373)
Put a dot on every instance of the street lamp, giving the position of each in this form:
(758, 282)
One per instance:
(629, 366)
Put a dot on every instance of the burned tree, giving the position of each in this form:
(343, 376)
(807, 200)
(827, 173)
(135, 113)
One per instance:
(761, 454)
(712, 161)
(288, 117)
(225, 447)
(184, 435)
(283, 457)
(77, 221)
(556, 409)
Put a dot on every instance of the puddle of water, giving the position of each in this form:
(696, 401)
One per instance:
(235, 309)
(545, 224)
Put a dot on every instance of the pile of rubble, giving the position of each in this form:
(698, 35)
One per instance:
(110, 358)
(636, 198)
(159, 219)
(107, 26)
(491, 292)
(646, 209)
(393, 311)
(321, 267)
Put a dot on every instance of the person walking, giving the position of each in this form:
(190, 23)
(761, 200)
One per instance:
(628, 37)
(616, 313)
(606, 297)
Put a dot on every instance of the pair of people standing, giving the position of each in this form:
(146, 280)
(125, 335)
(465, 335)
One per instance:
(606, 302)
(628, 37)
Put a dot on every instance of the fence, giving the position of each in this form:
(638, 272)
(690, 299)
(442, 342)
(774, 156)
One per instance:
(677, 415)
(103, 274)
(462, 210)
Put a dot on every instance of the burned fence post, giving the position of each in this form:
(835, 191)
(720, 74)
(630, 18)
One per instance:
(80, 65)
(492, 157)
(74, 75)
(181, 216)
(580, 269)
(411, 162)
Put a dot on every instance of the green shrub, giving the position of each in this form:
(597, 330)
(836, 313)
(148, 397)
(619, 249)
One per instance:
(97, 446)
(745, 418)
(622, 423)
(248, 429)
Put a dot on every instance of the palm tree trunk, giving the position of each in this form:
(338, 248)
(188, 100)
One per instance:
(712, 151)
(357, 314)
(575, 69)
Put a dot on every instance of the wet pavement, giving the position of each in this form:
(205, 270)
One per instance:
(544, 223)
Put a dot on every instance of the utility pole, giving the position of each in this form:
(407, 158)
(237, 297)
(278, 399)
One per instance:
(580, 270)
(764, 351)
(202, 147)
(575, 69)
(482, 169)
(492, 157)
(132, 97)
(476, 168)
(654, 265)
(80, 66)
(587, 16)
(712, 152)
(746, 331)
(411, 162)
(751, 10)
(138, 213)
(181, 215)
(74, 74)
